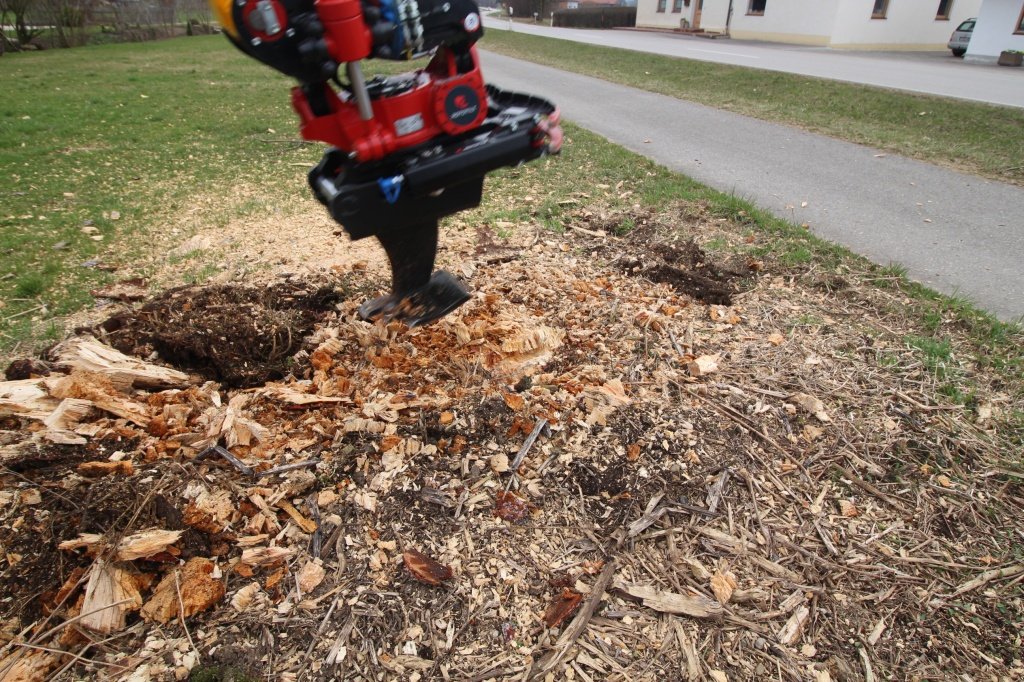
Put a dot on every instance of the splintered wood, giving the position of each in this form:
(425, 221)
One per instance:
(580, 474)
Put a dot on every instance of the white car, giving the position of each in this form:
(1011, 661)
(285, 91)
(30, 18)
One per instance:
(961, 37)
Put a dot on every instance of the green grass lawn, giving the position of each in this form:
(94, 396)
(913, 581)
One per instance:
(103, 148)
(977, 138)
(101, 145)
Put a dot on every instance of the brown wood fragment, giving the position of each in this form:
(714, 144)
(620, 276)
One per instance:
(560, 650)
(198, 589)
(264, 556)
(146, 543)
(101, 391)
(27, 665)
(26, 398)
(98, 469)
(307, 525)
(562, 607)
(425, 569)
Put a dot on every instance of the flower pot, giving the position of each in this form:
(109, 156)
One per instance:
(1010, 58)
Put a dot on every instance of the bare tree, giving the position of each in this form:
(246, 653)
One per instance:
(68, 18)
(18, 10)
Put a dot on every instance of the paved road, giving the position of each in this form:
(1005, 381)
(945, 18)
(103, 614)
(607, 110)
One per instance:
(956, 233)
(929, 72)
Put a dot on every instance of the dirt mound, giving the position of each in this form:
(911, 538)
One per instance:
(241, 336)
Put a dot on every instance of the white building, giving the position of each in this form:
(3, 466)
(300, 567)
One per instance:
(1000, 26)
(851, 24)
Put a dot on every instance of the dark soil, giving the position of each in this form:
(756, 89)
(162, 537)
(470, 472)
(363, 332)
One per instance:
(241, 336)
(646, 252)
(684, 266)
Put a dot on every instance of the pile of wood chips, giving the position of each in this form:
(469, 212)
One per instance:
(578, 475)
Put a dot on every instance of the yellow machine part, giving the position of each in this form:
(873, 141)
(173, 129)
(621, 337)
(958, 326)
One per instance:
(222, 10)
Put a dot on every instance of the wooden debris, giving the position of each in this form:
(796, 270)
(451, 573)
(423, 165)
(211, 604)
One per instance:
(425, 569)
(265, 556)
(110, 595)
(245, 596)
(311, 575)
(307, 525)
(86, 354)
(98, 469)
(26, 398)
(100, 391)
(695, 606)
(723, 584)
(794, 627)
(703, 365)
(27, 665)
(146, 543)
(191, 586)
(562, 607)
(989, 576)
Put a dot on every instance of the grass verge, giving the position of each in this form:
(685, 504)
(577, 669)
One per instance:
(978, 138)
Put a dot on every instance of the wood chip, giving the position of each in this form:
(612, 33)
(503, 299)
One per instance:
(425, 569)
(110, 595)
(703, 365)
(197, 589)
(794, 627)
(98, 469)
(695, 606)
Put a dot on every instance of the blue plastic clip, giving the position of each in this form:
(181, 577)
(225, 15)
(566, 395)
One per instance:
(391, 187)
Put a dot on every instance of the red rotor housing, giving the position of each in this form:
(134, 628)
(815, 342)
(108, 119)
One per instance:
(442, 101)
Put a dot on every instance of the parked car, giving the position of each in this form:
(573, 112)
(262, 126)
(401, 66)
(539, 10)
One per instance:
(961, 37)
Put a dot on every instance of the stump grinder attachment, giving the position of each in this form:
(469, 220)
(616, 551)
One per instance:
(406, 150)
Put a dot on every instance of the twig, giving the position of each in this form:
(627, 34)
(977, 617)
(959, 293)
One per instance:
(218, 450)
(23, 312)
(288, 467)
(181, 613)
(556, 656)
(62, 652)
(869, 675)
(925, 408)
(864, 485)
(316, 542)
(538, 428)
(989, 576)
(314, 640)
(675, 344)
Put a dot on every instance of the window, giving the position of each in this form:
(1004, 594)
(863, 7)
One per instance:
(661, 5)
(1020, 23)
(881, 7)
(677, 5)
(943, 11)
(756, 7)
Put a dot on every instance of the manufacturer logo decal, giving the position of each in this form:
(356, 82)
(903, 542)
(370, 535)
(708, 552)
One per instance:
(471, 22)
(462, 105)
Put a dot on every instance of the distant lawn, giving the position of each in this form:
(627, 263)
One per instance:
(976, 138)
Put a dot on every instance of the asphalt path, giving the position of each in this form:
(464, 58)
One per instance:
(956, 233)
(931, 73)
